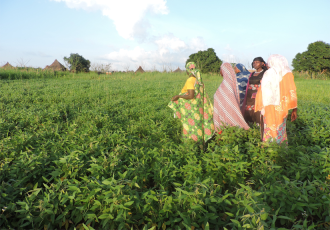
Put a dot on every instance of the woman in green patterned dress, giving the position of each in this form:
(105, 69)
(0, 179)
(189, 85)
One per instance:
(193, 107)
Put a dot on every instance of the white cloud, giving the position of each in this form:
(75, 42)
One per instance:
(170, 51)
(228, 48)
(260, 43)
(169, 42)
(127, 15)
(229, 58)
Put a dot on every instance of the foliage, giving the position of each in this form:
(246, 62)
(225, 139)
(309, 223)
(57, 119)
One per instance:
(315, 59)
(15, 74)
(207, 61)
(77, 63)
(92, 152)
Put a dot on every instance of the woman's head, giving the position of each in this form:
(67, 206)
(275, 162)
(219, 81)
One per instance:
(258, 63)
(226, 68)
(279, 63)
(191, 69)
(240, 68)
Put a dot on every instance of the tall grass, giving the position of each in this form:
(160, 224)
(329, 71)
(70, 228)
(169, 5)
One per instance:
(313, 75)
(14, 74)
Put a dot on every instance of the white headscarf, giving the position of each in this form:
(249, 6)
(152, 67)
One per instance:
(270, 84)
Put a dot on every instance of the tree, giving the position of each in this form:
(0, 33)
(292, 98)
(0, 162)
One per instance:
(100, 67)
(77, 63)
(315, 59)
(206, 61)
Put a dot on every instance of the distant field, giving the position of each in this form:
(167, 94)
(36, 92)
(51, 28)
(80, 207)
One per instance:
(90, 151)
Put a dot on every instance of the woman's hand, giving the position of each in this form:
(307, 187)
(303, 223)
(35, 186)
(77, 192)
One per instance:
(294, 115)
(175, 98)
(190, 95)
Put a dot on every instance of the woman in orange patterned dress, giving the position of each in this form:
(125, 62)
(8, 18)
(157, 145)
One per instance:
(276, 96)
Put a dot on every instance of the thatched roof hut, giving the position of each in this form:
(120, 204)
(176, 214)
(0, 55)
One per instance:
(8, 66)
(56, 66)
(178, 70)
(139, 70)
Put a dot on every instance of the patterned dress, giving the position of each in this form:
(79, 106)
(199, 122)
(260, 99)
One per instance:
(275, 98)
(226, 101)
(250, 115)
(242, 79)
(195, 114)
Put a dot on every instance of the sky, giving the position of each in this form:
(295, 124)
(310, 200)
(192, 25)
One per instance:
(157, 34)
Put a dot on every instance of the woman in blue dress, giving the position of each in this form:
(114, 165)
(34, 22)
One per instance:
(242, 75)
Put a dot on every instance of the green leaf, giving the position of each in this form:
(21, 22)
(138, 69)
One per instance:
(177, 184)
(285, 217)
(277, 211)
(250, 209)
(229, 214)
(285, 178)
(129, 203)
(106, 216)
(207, 226)
(35, 186)
(264, 216)
(106, 182)
(236, 222)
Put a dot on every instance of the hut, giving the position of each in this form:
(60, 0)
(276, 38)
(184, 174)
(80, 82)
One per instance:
(178, 70)
(8, 66)
(56, 66)
(139, 70)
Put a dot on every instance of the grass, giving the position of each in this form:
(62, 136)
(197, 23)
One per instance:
(104, 152)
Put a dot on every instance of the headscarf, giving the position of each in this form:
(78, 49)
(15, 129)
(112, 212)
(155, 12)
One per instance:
(242, 79)
(271, 80)
(242, 68)
(226, 101)
(191, 69)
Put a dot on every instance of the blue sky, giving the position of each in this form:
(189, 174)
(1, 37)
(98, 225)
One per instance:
(157, 33)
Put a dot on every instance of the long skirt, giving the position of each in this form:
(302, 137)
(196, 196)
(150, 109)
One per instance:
(281, 135)
(196, 121)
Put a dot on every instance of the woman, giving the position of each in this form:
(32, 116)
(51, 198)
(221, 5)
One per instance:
(275, 98)
(242, 76)
(248, 106)
(226, 101)
(188, 107)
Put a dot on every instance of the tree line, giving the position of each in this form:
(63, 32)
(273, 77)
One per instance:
(315, 59)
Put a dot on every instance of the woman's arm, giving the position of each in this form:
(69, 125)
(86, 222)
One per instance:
(191, 95)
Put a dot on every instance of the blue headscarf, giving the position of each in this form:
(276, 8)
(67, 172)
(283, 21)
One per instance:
(242, 81)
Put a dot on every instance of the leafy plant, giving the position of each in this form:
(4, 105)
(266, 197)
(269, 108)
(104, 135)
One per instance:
(87, 151)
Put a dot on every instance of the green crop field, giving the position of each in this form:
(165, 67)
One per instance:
(87, 151)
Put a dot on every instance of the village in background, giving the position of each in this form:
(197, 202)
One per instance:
(97, 68)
